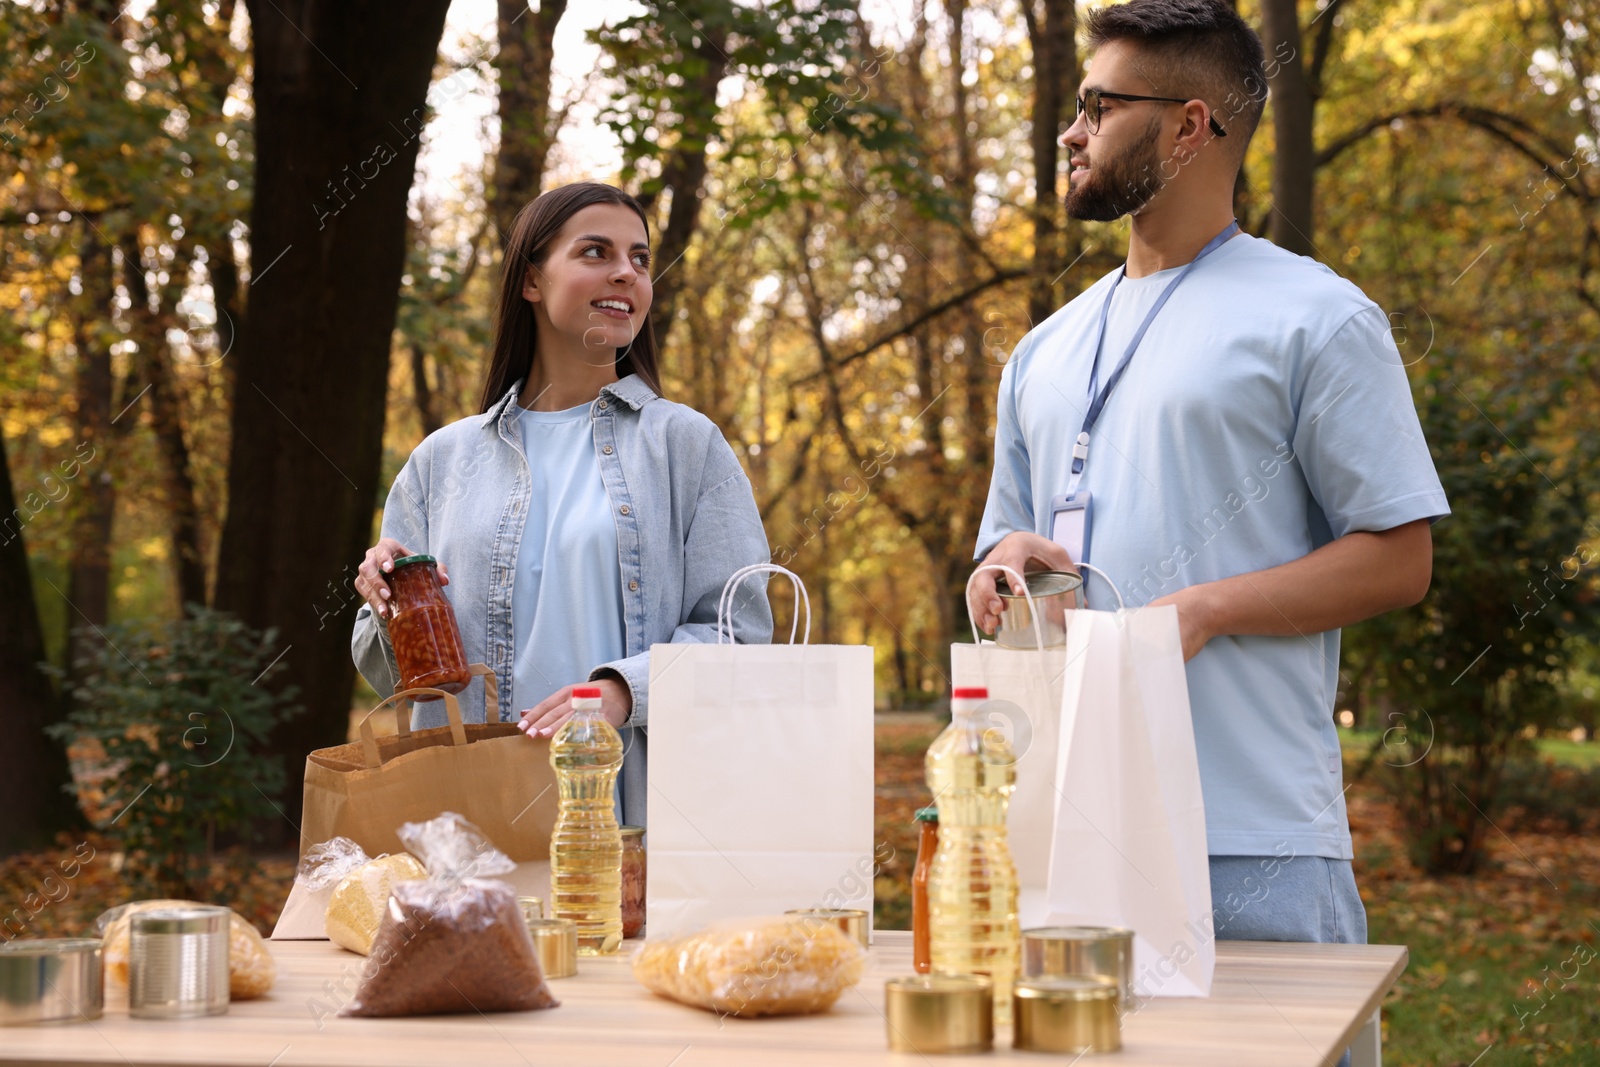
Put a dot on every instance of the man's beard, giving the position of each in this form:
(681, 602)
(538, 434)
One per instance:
(1120, 185)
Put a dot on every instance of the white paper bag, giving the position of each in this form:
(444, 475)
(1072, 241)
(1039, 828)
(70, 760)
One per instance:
(1025, 704)
(1129, 845)
(761, 787)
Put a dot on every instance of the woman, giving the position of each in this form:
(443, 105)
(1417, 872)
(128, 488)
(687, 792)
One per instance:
(583, 517)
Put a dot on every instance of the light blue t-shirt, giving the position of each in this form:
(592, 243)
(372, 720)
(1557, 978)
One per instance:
(566, 598)
(1266, 413)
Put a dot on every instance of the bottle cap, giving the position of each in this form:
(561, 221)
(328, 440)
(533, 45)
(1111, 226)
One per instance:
(969, 692)
(928, 814)
(585, 692)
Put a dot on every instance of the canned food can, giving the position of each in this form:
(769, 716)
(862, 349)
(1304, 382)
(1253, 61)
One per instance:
(1054, 594)
(1065, 951)
(178, 963)
(51, 980)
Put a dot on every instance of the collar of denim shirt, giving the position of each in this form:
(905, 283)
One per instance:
(631, 390)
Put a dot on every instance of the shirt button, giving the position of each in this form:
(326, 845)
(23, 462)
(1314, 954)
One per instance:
(625, 510)
(602, 405)
(606, 450)
(633, 586)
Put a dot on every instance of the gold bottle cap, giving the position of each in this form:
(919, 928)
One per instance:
(852, 921)
(532, 907)
(1077, 1014)
(556, 943)
(939, 1013)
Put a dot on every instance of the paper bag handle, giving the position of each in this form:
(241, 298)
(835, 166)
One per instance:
(402, 722)
(1104, 577)
(491, 691)
(725, 605)
(1021, 583)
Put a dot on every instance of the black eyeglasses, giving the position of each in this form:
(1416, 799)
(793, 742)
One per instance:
(1089, 107)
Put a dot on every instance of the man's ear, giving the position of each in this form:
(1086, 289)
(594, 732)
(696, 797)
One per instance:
(530, 288)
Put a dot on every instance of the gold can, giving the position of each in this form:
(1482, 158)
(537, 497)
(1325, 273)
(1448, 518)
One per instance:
(850, 920)
(1065, 1015)
(556, 943)
(1066, 951)
(939, 1013)
(532, 907)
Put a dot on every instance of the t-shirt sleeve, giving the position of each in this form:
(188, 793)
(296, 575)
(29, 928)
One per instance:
(1010, 506)
(1357, 435)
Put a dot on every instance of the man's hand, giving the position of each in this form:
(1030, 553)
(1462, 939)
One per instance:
(1194, 618)
(1021, 551)
(548, 716)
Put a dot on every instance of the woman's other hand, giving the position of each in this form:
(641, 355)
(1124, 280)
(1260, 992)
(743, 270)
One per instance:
(545, 718)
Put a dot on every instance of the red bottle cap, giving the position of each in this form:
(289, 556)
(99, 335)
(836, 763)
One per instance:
(586, 692)
(971, 692)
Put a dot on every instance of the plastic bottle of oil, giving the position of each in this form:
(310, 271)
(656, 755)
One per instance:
(972, 886)
(586, 847)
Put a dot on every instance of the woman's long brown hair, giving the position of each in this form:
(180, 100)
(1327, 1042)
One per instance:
(535, 227)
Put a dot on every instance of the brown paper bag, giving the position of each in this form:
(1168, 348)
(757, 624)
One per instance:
(492, 773)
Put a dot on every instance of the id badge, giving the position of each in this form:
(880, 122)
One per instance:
(1071, 523)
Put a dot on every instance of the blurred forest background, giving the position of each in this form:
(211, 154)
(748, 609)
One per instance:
(235, 301)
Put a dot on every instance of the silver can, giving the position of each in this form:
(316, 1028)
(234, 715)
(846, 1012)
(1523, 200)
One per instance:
(178, 963)
(1054, 593)
(50, 980)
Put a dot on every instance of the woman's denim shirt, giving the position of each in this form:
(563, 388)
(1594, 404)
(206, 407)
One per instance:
(686, 520)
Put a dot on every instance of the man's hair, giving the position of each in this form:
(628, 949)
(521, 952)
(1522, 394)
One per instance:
(1201, 48)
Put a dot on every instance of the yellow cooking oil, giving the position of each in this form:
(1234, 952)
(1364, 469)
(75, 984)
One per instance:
(586, 847)
(972, 885)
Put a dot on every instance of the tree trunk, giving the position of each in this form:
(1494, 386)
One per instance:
(427, 399)
(339, 93)
(523, 105)
(1055, 74)
(166, 417)
(33, 767)
(684, 172)
(89, 577)
(1294, 156)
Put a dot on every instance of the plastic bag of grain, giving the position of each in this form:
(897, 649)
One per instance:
(788, 965)
(455, 941)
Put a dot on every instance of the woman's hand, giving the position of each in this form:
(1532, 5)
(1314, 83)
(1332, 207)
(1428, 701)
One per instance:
(545, 718)
(379, 561)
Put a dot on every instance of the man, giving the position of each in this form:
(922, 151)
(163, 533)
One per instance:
(1258, 464)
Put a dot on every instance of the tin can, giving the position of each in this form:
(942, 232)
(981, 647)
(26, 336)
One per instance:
(1064, 951)
(850, 920)
(178, 963)
(555, 942)
(51, 980)
(1065, 1015)
(1054, 593)
(939, 1013)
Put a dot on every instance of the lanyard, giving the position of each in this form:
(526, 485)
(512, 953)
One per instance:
(1097, 396)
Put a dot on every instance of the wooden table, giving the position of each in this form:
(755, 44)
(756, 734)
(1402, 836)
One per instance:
(1277, 1005)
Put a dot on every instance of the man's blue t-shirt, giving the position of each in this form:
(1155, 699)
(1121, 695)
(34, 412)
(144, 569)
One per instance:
(1265, 413)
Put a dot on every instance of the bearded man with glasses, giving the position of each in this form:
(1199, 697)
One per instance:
(1226, 427)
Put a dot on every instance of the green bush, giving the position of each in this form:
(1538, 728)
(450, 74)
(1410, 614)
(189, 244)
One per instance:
(179, 717)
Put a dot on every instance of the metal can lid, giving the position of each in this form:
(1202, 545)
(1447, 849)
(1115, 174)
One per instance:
(193, 920)
(51, 946)
(1046, 583)
(1077, 933)
(1073, 987)
(632, 831)
(928, 814)
(403, 560)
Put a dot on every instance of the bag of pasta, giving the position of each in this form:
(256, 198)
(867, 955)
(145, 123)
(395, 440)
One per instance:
(791, 965)
(454, 941)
